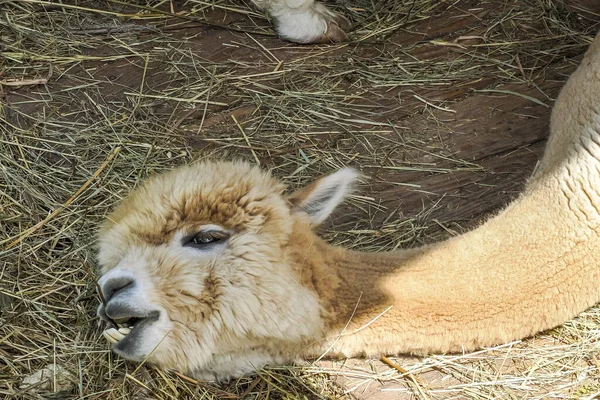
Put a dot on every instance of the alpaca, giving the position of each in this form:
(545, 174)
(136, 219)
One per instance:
(211, 270)
(305, 21)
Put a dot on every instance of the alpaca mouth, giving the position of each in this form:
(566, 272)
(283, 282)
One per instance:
(124, 319)
(124, 328)
(133, 324)
(127, 322)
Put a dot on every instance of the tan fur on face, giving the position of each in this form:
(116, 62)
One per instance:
(275, 290)
(222, 193)
(244, 292)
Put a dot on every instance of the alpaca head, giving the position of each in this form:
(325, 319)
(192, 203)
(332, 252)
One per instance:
(198, 266)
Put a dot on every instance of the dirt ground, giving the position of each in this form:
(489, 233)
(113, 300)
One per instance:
(443, 105)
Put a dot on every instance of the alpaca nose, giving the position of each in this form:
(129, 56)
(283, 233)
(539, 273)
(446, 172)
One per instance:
(114, 285)
(124, 300)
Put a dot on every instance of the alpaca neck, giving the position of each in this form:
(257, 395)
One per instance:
(530, 268)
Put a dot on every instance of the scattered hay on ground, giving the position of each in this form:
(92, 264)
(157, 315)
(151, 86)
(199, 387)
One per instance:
(97, 96)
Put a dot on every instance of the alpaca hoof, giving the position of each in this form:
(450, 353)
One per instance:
(342, 22)
(335, 33)
(315, 24)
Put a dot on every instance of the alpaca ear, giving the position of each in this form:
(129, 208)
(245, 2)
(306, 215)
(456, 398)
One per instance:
(321, 197)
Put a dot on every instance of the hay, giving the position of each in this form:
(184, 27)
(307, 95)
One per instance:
(74, 139)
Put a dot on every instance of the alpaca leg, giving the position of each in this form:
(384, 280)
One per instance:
(305, 21)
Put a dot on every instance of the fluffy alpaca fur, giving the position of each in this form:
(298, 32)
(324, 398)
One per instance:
(211, 270)
(305, 21)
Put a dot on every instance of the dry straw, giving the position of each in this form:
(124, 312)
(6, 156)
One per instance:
(96, 96)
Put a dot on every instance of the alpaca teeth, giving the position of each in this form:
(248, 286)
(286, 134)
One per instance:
(108, 337)
(113, 335)
(124, 331)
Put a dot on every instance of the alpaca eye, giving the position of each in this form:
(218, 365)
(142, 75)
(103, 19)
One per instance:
(204, 238)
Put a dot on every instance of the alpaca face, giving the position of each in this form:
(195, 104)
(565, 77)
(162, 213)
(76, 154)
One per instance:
(196, 272)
